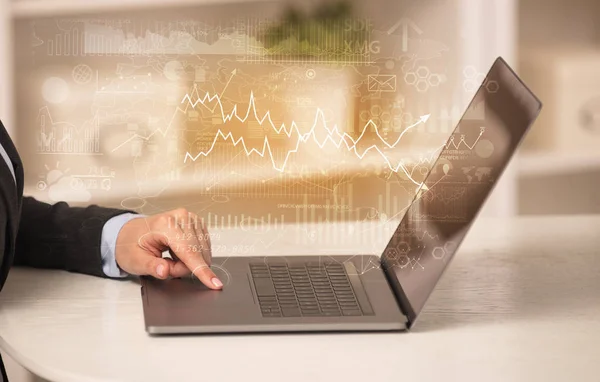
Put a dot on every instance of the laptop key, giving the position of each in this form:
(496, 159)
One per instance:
(324, 293)
(325, 300)
(278, 266)
(264, 287)
(307, 299)
(330, 302)
(351, 312)
(339, 279)
(343, 287)
(284, 291)
(287, 298)
(344, 293)
(309, 308)
(288, 303)
(294, 312)
(340, 282)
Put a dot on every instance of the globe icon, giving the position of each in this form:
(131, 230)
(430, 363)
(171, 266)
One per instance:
(82, 74)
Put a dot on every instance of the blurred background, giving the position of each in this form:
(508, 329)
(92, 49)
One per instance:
(150, 104)
(92, 95)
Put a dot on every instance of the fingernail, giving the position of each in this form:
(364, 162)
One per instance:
(216, 282)
(160, 270)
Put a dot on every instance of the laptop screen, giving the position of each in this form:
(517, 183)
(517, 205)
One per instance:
(457, 185)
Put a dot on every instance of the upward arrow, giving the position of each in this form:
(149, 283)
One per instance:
(405, 24)
(233, 73)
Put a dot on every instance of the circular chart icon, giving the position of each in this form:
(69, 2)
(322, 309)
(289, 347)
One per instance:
(484, 148)
(82, 74)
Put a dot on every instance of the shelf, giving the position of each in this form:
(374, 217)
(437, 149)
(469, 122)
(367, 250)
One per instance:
(44, 8)
(549, 163)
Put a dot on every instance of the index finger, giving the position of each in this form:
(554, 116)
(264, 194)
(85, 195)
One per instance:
(193, 259)
(196, 263)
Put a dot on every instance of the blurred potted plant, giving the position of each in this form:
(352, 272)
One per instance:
(328, 34)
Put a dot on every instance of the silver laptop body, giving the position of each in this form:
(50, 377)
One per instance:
(329, 293)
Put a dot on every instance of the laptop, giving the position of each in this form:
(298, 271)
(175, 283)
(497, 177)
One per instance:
(331, 293)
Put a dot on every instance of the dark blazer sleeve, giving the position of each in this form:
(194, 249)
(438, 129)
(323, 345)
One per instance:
(60, 236)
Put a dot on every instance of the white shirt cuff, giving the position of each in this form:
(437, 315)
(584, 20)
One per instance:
(110, 232)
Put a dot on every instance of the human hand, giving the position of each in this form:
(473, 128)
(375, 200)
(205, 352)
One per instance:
(142, 241)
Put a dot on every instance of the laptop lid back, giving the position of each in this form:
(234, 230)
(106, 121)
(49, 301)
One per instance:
(459, 182)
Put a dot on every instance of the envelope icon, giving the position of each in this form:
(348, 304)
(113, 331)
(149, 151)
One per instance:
(382, 82)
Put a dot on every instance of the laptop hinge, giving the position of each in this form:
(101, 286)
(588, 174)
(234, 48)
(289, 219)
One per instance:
(399, 293)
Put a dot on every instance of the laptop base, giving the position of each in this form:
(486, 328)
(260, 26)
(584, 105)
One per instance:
(179, 306)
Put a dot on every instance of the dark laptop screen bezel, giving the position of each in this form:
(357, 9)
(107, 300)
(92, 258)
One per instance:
(513, 81)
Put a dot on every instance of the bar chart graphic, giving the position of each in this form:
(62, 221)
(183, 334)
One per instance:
(66, 138)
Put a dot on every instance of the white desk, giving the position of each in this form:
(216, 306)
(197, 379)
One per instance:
(521, 302)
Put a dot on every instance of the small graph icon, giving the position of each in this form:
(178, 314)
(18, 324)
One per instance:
(66, 138)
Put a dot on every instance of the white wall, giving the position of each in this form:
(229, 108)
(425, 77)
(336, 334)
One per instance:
(489, 30)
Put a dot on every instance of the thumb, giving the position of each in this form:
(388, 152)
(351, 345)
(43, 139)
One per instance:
(157, 267)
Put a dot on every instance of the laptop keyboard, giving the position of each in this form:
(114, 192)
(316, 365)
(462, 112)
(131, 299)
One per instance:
(304, 290)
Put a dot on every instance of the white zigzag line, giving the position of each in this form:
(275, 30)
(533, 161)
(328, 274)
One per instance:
(319, 115)
(303, 137)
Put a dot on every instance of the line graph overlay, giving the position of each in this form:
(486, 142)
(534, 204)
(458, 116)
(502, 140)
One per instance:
(334, 136)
